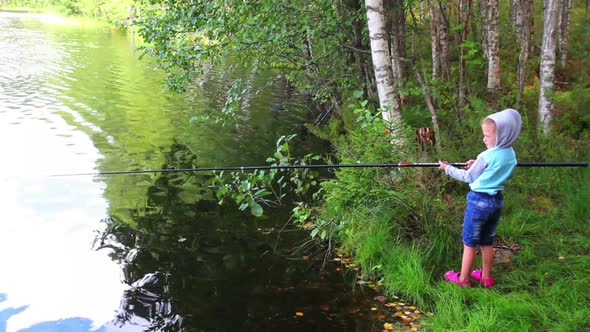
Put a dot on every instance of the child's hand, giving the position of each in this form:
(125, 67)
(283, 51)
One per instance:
(469, 162)
(442, 165)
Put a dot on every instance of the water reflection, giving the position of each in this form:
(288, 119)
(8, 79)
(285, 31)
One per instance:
(166, 256)
(51, 280)
(47, 230)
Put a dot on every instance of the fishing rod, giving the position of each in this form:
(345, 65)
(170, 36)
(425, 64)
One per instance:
(320, 166)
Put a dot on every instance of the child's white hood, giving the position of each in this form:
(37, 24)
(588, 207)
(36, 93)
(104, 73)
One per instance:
(508, 124)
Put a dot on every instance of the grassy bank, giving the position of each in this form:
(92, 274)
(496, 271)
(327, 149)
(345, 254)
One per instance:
(403, 227)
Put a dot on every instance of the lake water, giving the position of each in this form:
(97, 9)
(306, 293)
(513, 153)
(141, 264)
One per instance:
(146, 252)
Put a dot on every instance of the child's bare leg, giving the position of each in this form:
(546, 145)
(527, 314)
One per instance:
(487, 259)
(467, 264)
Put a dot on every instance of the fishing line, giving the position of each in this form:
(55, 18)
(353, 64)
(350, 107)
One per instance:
(321, 166)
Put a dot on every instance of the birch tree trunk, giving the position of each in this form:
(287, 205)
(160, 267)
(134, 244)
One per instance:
(443, 41)
(521, 12)
(434, 37)
(397, 24)
(439, 39)
(493, 44)
(564, 25)
(464, 12)
(483, 12)
(379, 39)
(547, 67)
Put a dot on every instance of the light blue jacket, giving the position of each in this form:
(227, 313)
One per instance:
(495, 165)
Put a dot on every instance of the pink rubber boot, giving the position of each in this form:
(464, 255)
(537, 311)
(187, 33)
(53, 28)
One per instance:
(476, 274)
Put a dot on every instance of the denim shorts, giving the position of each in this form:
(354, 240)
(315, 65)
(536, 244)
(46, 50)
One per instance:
(482, 215)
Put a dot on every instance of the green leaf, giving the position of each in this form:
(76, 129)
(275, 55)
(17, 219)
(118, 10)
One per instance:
(314, 232)
(256, 209)
(246, 185)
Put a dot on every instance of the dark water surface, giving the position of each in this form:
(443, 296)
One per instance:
(151, 252)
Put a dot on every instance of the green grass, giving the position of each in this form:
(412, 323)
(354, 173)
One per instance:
(409, 237)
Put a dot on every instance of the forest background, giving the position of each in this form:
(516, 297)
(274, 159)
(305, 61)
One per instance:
(376, 71)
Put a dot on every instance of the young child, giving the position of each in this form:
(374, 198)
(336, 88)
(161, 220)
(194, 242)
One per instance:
(486, 176)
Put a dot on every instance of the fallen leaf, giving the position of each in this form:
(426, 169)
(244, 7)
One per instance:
(299, 314)
(380, 298)
(388, 326)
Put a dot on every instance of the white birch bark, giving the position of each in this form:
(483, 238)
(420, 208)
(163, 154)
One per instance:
(379, 40)
(439, 39)
(434, 38)
(547, 67)
(444, 41)
(564, 25)
(483, 8)
(493, 45)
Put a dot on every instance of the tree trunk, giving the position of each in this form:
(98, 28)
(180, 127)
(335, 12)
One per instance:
(493, 44)
(398, 41)
(547, 67)
(465, 12)
(444, 41)
(376, 22)
(564, 25)
(434, 37)
(483, 12)
(521, 12)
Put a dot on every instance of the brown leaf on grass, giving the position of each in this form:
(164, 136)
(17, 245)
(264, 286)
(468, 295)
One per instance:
(299, 314)
(388, 326)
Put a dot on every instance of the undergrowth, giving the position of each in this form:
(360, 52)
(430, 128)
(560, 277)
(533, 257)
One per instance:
(403, 228)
